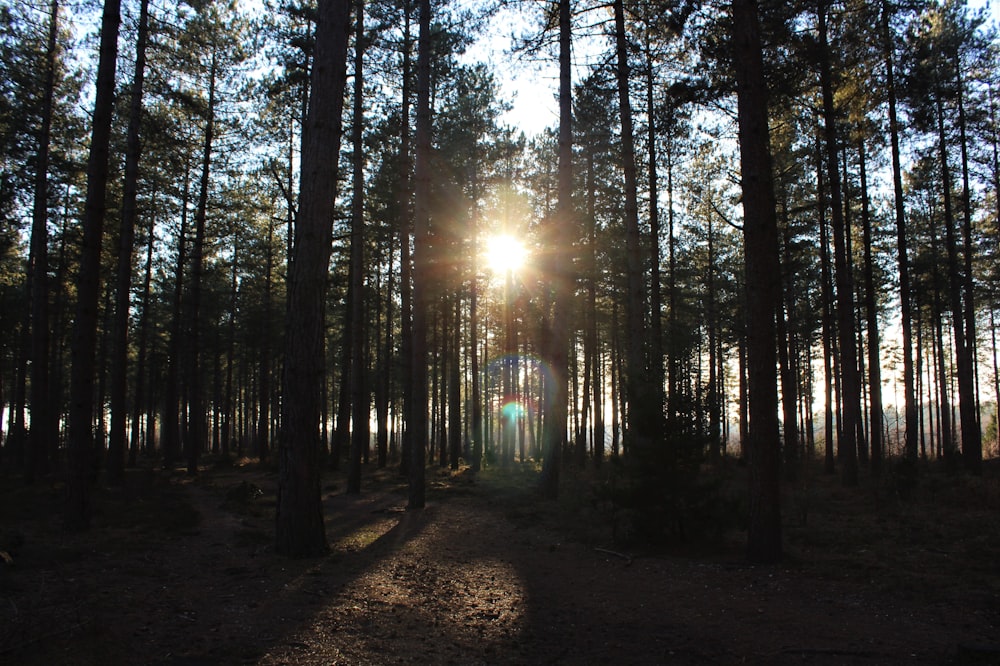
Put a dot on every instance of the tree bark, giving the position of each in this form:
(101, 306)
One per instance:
(556, 403)
(762, 286)
(84, 340)
(360, 404)
(902, 261)
(300, 530)
(644, 400)
(421, 262)
(847, 443)
(44, 425)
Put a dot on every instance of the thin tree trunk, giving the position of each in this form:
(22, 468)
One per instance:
(360, 405)
(902, 262)
(119, 360)
(421, 259)
(143, 351)
(850, 410)
(871, 314)
(197, 440)
(963, 352)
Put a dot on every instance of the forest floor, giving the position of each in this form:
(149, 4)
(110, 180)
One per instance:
(181, 571)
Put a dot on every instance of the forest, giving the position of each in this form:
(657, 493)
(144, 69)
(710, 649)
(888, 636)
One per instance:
(326, 336)
(752, 254)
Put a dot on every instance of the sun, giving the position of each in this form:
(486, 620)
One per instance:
(504, 253)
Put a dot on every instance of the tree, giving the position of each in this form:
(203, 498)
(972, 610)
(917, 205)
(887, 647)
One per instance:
(300, 530)
(123, 285)
(44, 426)
(558, 266)
(847, 443)
(81, 413)
(421, 262)
(763, 286)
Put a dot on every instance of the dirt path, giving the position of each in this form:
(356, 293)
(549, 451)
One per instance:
(474, 578)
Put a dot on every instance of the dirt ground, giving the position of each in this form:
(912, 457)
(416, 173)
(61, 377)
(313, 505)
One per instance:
(181, 571)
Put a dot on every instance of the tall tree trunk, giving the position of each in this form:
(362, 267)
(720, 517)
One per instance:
(421, 262)
(655, 292)
(264, 386)
(143, 350)
(871, 315)
(404, 230)
(963, 352)
(847, 444)
(299, 521)
(557, 344)
(945, 442)
(197, 440)
(789, 390)
(642, 423)
(123, 293)
(455, 388)
(476, 457)
(171, 414)
(763, 286)
(44, 425)
(84, 341)
(360, 405)
(826, 280)
(902, 261)
(972, 443)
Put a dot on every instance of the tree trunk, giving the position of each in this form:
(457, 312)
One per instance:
(142, 344)
(421, 262)
(44, 425)
(902, 261)
(300, 530)
(850, 411)
(81, 413)
(762, 286)
(963, 353)
(871, 315)
(972, 443)
(558, 268)
(197, 440)
(360, 405)
(644, 401)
